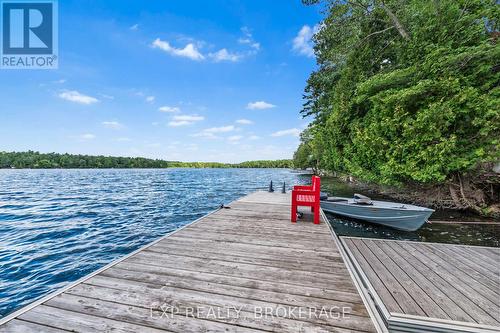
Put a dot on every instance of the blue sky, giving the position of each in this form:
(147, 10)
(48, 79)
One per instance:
(176, 80)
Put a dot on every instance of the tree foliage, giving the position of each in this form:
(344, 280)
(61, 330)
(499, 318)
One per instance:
(37, 160)
(405, 90)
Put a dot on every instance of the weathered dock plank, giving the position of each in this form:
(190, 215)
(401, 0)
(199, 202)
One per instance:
(241, 269)
(429, 286)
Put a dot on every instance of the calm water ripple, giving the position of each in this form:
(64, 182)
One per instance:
(59, 225)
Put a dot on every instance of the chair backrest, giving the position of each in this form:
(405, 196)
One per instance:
(316, 185)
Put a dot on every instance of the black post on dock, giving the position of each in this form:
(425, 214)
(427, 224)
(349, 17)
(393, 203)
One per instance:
(271, 189)
(283, 189)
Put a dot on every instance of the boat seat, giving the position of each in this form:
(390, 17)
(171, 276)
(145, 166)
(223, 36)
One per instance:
(362, 199)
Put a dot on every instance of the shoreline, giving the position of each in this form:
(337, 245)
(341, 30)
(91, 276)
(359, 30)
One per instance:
(428, 196)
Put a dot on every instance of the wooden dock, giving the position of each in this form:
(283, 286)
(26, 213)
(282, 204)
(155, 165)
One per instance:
(428, 287)
(243, 269)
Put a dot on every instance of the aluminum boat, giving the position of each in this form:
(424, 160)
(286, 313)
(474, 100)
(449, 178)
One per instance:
(391, 214)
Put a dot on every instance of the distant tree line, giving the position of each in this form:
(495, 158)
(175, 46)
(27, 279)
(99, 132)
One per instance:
(36, 160)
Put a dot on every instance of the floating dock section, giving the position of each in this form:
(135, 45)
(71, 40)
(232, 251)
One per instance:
(428, 287)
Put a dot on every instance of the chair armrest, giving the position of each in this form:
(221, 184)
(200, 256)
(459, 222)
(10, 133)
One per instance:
(305, 192)
(303, 187)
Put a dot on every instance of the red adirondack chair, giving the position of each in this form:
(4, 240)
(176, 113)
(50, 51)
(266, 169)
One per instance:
(307, 196)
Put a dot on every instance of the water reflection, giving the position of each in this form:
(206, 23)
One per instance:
(471, 234)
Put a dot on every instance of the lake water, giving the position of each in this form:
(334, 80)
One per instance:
(59, 225)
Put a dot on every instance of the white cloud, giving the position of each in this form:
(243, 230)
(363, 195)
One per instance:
(76, 97)
(123, 139)
(150, 99)
(260, 105)
(222, 129)
(107, 96)
(302, 43)
(179, 123)
(86, 136)
(135, 27)
(189, 51)
(253, 137)
(205, 135)
(234, 138)
(244, 122)
(184, 120)
(170, 109)
(291, 131)
(112, 124)
(249, 42)
(224, 55)
(188, 118)
(153, 145)
(209, 133)
(248, 39)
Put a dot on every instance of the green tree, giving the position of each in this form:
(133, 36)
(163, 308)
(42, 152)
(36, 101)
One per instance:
(407, 90)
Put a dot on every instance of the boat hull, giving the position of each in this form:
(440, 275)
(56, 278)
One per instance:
(402, 217)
